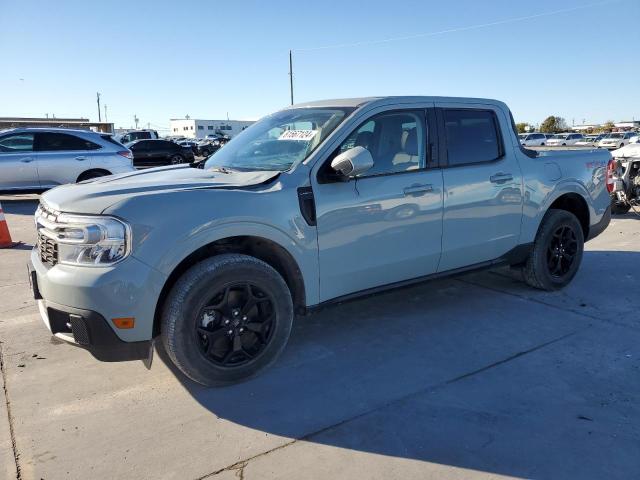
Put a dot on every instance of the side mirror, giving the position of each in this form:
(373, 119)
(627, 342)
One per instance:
(353, 162)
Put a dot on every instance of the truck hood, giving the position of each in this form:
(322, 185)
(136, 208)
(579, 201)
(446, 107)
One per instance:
(94, 196)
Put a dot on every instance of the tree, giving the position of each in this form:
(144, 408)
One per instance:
(522, 127)
(553, 124)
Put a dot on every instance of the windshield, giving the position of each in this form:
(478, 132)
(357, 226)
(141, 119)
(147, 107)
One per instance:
(615, 135)
(279, 141)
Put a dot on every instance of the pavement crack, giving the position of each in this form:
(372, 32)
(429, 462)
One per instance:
(16, 455)
(243, 463)
(512, 357)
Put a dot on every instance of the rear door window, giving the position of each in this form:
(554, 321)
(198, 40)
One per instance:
(55, 142)
(472, 136)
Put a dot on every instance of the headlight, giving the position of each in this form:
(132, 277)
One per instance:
(94, 241)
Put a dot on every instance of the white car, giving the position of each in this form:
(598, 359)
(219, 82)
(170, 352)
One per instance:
(564, 139)
(41, 158)
(616, 140)
(589, 141)
(533, 139)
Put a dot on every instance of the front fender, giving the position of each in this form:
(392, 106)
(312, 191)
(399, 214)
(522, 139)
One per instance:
(167, 230)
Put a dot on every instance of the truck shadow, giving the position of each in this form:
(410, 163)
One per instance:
(478, 372)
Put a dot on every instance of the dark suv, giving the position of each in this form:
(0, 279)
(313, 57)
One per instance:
(152, 153)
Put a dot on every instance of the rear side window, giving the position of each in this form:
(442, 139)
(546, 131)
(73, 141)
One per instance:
(139, 135)
(472, 136)
(110, 139)
(54, 142)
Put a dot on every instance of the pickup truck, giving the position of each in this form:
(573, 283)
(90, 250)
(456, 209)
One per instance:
(317, 203)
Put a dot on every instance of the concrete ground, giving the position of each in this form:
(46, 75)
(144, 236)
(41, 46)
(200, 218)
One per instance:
(473, 377)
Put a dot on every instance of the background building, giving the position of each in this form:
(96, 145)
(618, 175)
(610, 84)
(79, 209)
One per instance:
(193, 128)
(82, 123)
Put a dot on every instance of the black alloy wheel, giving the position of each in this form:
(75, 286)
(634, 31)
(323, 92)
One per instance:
(236, 325)
(562, 250)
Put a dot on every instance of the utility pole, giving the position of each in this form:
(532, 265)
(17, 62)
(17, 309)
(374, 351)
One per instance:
(105, 113)
(98, 99)
(291, 74)
(136, 120)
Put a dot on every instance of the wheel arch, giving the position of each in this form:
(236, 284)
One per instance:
(84, 174)
(262, 248)
(577, 205)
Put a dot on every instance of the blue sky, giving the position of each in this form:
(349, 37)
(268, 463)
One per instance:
(161, 59)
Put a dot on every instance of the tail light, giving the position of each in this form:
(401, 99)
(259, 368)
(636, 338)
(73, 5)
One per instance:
(126, 154)
(611, 167)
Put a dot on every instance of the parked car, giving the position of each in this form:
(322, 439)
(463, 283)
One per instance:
(564, 139)
(533, 140)
(311, 205)
(41, 158)
(616, 140)
(589, 141)
(152, 153)
(190, 144)
(624, 179)
(137, 135)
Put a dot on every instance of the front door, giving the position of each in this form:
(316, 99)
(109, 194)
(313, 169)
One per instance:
(18, 166)
(385, 226)
(483, 187)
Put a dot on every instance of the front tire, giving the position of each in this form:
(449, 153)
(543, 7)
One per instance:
(557, 251)
(226, 319)
(176, 159)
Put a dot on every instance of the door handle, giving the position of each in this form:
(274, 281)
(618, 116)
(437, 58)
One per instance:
(81, 158)
(415, 190)
(501, 177)
(26, 160)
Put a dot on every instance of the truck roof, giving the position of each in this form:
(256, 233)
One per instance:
(358, 102)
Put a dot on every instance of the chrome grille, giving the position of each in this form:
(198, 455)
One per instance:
(48, 250)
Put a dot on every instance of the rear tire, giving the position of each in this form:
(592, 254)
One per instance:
(557, 251)
(210, 300)
(176, 159)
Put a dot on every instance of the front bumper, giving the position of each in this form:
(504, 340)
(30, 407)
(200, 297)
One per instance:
(89, 330)
(78, 305)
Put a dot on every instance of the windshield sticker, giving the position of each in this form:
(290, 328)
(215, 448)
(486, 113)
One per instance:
(304, 135)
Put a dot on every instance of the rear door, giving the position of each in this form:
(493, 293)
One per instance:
(482, 183)
(62, 157)
(18, 165)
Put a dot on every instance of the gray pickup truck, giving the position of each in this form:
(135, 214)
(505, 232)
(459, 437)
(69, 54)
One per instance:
(317, 203)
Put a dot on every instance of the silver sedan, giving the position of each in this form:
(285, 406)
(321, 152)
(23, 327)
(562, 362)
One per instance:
(41, 158)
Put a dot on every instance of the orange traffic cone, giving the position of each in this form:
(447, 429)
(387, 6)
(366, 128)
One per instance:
(5, 236)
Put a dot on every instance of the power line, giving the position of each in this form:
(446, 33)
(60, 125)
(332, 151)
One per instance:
(458, 29)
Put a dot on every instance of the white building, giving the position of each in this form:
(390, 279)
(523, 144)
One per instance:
(193, 128)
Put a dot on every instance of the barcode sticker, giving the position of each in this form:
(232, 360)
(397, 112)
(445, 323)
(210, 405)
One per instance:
(304, 135)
